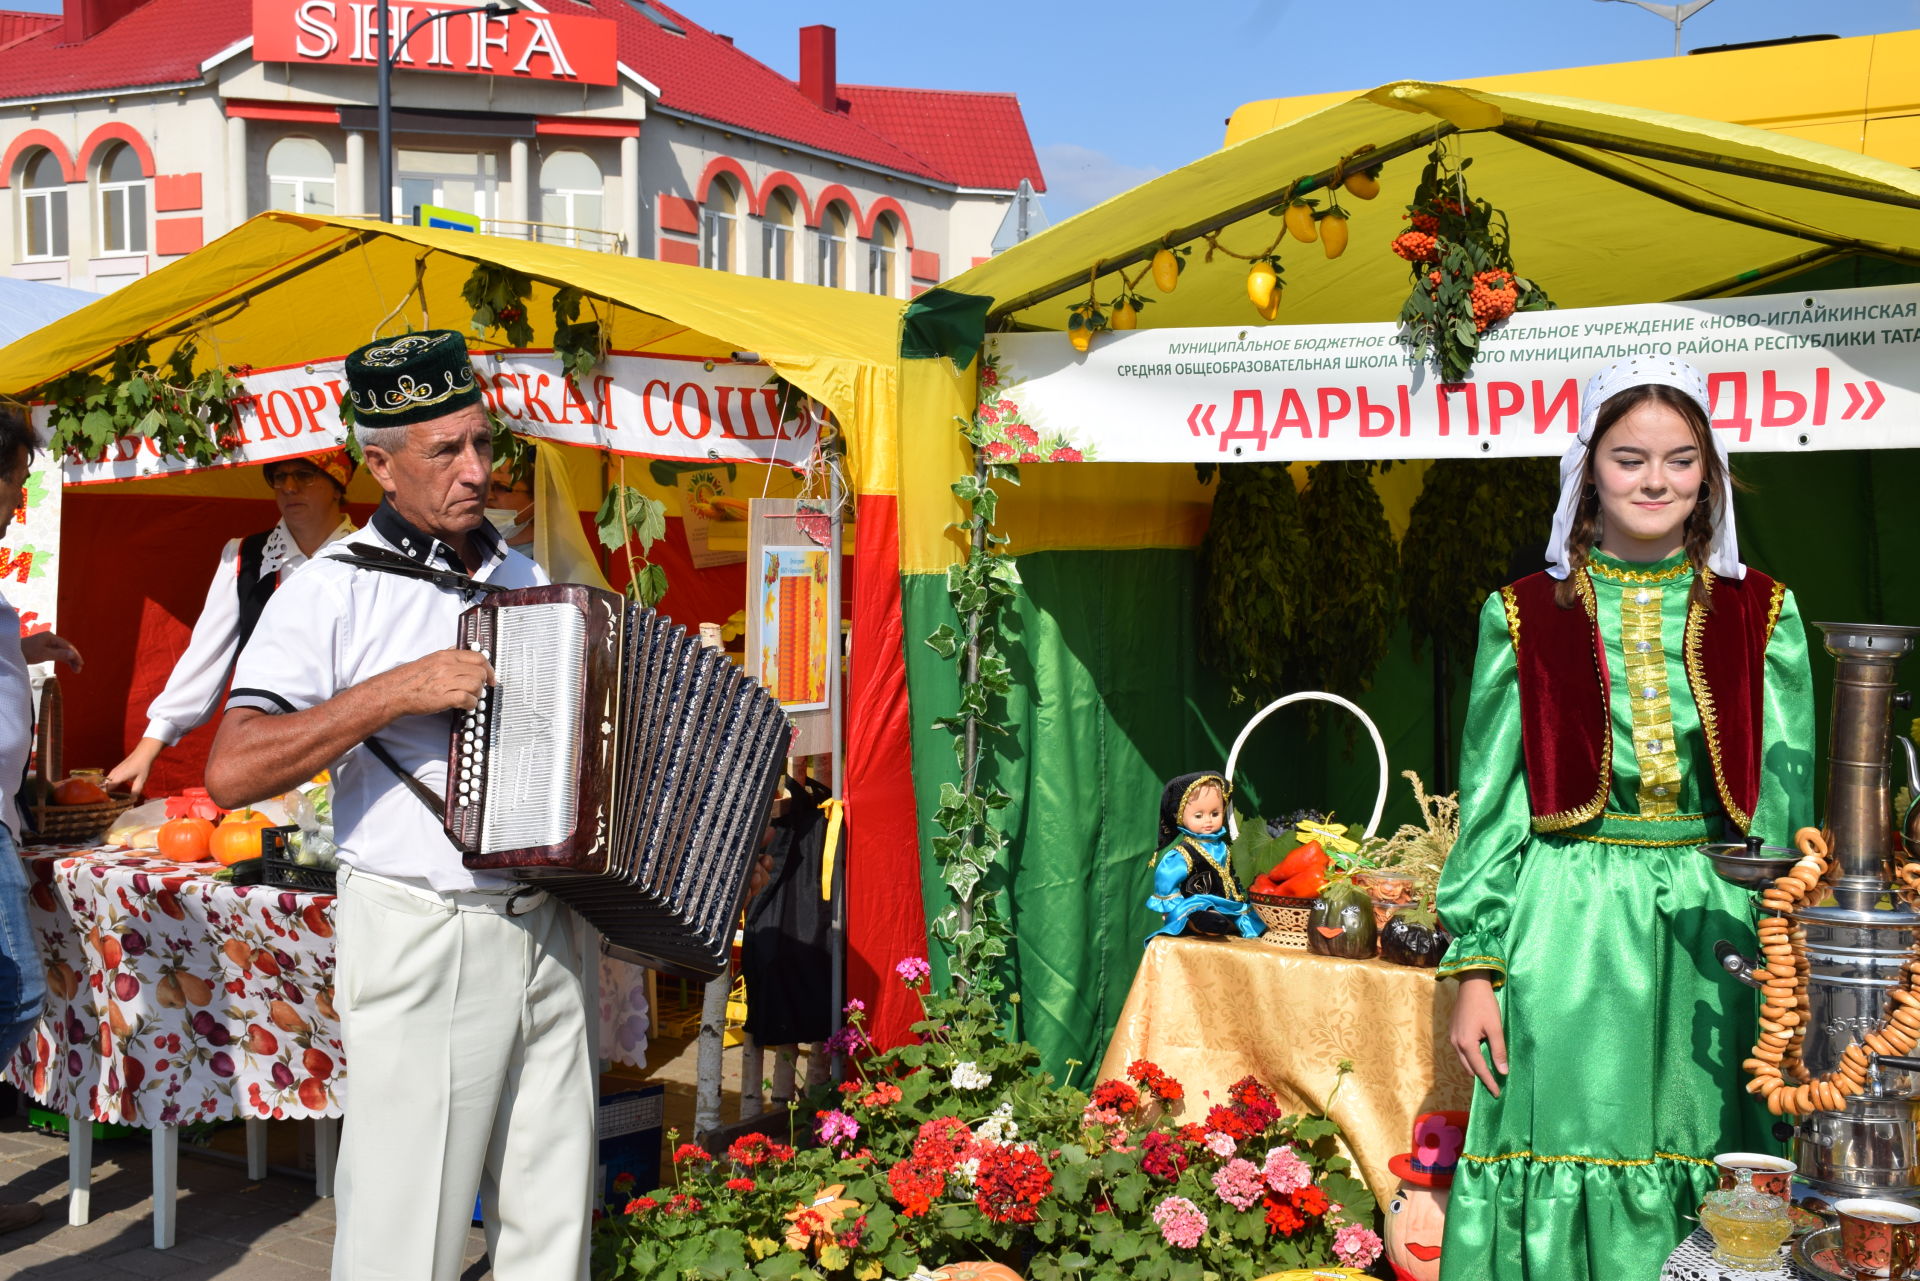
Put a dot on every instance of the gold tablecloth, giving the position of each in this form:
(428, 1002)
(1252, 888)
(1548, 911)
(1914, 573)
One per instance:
(1211, 1011)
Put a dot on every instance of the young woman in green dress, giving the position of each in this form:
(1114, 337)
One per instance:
(1644, 695)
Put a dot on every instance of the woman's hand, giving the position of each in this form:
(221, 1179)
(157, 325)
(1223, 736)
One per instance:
(1476, 1018)
(131, 774)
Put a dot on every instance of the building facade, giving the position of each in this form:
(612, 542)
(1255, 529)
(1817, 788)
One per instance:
(135, 131)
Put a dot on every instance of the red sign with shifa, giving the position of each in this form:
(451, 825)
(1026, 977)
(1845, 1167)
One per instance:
(520, 46)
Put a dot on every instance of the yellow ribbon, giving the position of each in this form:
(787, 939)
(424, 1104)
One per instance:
(1332, 837)
(836, 810)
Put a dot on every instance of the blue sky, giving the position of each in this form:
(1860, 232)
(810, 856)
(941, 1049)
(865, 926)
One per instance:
(1115, 93)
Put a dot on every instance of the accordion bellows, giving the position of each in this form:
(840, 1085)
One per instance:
(619, 765)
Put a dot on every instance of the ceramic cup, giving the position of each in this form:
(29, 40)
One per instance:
(1771, 1174)
(1878, 1238)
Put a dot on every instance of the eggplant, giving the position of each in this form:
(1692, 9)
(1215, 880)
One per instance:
(1414, 936)
(1340, 923)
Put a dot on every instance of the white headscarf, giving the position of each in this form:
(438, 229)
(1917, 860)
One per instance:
(1723, 556)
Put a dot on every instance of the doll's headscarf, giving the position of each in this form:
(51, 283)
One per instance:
(1723, 555)
(1178, 792)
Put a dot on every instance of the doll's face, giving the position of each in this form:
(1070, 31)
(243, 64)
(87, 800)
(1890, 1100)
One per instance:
(1205, 812)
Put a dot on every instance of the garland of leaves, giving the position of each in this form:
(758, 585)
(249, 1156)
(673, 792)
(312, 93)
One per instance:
(191, 415)
(1254, 579)
(1461, 269)
(1350, 613)
(1472, 515)
(973, 927)
(628, 517)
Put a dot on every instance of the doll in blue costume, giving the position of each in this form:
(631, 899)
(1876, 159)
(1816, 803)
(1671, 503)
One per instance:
(1193, 885)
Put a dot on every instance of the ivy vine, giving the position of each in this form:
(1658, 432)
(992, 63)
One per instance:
(499, 297)
(188, 414)
(974, 927)
(629, 522)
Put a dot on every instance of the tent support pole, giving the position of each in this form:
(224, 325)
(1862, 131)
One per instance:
(1520, 129)
(1226, 218)
(1733, 286)
(1651, 186)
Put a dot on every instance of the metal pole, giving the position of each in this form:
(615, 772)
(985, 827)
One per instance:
(837, 718)
(385, 113)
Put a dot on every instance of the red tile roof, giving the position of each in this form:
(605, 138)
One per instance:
(963, 139)
(161, 42)
(979, 138)
(16, 26)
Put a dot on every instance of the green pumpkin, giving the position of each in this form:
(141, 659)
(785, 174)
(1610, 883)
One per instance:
(1340, 923)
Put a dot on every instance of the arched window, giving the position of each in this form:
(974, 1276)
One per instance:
(830, 246)
(777, 223)
(718, 219)
(300, 176)
(123, 201)
(43, 206)
(572, 193)
(883, 257)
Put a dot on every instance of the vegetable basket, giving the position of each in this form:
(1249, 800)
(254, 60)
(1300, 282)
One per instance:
(1286, 918)
(50, 822)
(278, 868)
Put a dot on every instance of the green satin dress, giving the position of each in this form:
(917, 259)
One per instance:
(1624, 1037)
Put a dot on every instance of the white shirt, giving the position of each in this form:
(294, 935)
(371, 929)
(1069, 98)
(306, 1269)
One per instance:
(193, 688)
(16, 716)
(333, 626)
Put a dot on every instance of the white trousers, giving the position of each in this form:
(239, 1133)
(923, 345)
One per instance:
(467, 1072)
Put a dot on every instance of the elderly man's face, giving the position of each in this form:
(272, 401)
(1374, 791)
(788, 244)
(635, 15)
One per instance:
(438, 478)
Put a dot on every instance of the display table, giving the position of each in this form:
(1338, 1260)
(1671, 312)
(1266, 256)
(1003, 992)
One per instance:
(1211, 1011)
(175, 998)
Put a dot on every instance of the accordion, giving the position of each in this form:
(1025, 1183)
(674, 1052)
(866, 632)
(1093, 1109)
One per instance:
(619, 765)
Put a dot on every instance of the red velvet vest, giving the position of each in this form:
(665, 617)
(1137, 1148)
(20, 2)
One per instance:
(1565, 726)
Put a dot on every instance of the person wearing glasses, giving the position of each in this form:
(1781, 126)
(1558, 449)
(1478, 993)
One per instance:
(311, 493)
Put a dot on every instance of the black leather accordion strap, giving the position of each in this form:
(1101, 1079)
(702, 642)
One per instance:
(383, 561)
(436, 805)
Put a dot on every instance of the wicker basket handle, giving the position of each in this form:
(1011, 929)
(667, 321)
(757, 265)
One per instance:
(1313, 695)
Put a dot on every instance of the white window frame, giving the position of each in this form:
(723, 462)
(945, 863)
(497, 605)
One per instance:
(567, 196)
(52, 202)
(136, 227)
(775, 233)
(301, 183)
(830, 251)
(880, 252)
(720, 226)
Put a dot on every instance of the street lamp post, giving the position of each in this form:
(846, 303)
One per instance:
(389, 49)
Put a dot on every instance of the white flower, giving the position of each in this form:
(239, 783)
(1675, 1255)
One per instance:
(998, 1128)
(968, 1076)
(1221, 1144)
(967, 1171)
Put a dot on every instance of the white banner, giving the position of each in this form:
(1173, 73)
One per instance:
(635, 403)
(1839, 369)
(30, 552)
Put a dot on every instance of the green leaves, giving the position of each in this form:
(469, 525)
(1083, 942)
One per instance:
(1254, 579)
(629, 521)
(498, 298)
(186, 414)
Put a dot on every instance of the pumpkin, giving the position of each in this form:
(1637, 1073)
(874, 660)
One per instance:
(1414, 936)
(1340, 922)
(238, 838)
(79, 790)
(977, 1272)
(186, 840)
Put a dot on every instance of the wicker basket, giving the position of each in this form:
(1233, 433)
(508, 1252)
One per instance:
(62, 822)
(1286, 919)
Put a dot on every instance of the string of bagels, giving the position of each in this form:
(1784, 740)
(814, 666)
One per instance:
(1778, 1073)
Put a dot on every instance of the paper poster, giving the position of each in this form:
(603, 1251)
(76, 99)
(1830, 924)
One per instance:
(704, 502)
(30, 550)
(793, 625)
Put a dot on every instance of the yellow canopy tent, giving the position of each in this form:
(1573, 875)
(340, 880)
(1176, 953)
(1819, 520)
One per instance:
(1608, 205)
(284, 289)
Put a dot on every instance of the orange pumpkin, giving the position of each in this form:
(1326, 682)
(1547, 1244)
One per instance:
(186, 840)
(978, 1272)
(79, 791)
(238, 837)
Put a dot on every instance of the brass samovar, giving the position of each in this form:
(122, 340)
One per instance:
(1856, 946)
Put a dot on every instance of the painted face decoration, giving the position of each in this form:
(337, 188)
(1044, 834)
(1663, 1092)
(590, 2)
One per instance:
(1417, 1213)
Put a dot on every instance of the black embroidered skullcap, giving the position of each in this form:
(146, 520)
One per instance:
(397, 381)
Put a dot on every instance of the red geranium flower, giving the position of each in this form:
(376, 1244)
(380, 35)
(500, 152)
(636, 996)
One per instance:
(750, 1150)
(741, 1185)
(915, 1188)
(641, 1204)
(1116, 1096)
(1162, 1157)
(1310, 1200)
(1282, 1218)
(1011, 1183)
(944, 1142)
(691, 1152)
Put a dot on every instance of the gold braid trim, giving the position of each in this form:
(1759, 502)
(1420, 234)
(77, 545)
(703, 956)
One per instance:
(1525, 1155)
(1465, 963)
(1657, 818)
(1773, 608)
(1703, 700)
(1640, 577)
(1583, 586)
(1512, 606)
(1227, 882)
(1628, 840)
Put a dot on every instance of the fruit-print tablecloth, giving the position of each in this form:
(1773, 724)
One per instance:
(174, 997)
